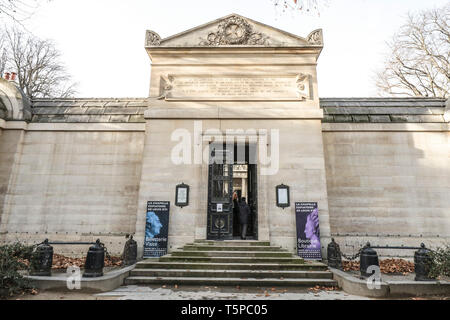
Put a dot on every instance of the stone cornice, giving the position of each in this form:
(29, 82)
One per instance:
(22, 125)
(220, 111)
(386, 127)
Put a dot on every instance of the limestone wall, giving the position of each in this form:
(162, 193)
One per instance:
(301, 167)
(10, 141)
(388, 184)
(69, 186)
(158, 181)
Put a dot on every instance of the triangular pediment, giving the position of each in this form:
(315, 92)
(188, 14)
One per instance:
(234, 30)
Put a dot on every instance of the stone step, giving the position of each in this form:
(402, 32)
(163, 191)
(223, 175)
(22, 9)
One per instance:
(231, 263)
(228, 281)
(252, 260)
(259, 274)
(250, 254)
(155, 264)
(202, 247)
(233, 243)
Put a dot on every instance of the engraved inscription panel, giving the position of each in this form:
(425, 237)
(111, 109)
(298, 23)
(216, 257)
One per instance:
(204, 87)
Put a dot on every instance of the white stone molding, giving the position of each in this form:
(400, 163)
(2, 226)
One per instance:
(152, 38)
(35, 126)
(316, 37)
(395, 127)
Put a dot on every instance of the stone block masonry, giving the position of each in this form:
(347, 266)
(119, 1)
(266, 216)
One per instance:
(72, 186)
(79, 169)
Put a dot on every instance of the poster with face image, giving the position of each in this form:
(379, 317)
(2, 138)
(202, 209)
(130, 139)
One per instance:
(308, 233)
(156, 229)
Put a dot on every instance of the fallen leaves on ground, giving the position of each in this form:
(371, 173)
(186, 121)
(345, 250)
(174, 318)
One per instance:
(386, 266)
(396, 266)
(323, 288)
(113, 261)
(63, 262)
(350, 265)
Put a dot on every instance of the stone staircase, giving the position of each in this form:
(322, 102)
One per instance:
(230, 263)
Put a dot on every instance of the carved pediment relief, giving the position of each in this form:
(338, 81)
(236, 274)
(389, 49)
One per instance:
(234, 30)
(152, 39)
(315, 37)
(303, 83)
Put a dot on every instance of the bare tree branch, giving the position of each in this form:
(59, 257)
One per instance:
(3, 54)
(18, 11)
(303, 6)
(37, 64)
(418, 64)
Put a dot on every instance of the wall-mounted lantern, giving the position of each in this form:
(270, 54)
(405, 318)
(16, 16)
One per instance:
(182, 195)
(282, 196)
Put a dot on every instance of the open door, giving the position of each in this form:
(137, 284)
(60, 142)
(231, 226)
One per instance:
(253, 200)
(220, 192)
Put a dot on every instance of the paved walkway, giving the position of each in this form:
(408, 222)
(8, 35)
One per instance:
(132, 292)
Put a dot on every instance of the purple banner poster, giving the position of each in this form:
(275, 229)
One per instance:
(308, 234)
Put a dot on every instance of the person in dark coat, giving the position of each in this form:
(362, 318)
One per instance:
(244, 212)
(236, 212)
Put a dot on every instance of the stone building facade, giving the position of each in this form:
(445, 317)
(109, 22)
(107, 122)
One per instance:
(82, 169)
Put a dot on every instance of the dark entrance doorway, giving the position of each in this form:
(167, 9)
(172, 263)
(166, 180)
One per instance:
(232, 168)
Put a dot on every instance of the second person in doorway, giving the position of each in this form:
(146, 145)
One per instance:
(244, 212)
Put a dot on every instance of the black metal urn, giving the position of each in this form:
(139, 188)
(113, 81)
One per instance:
(334, 255)
(95, 261)
(41, 260)
(422, 264)
(129, 255)
(369, 257)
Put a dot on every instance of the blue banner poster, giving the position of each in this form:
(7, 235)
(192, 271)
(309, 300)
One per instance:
(308, 233)
(156, 229)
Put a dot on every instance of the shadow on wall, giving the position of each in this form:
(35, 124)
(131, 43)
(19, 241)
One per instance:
(66, 185)
(15, 106)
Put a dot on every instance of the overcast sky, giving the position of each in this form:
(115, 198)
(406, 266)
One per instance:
(102, 41)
